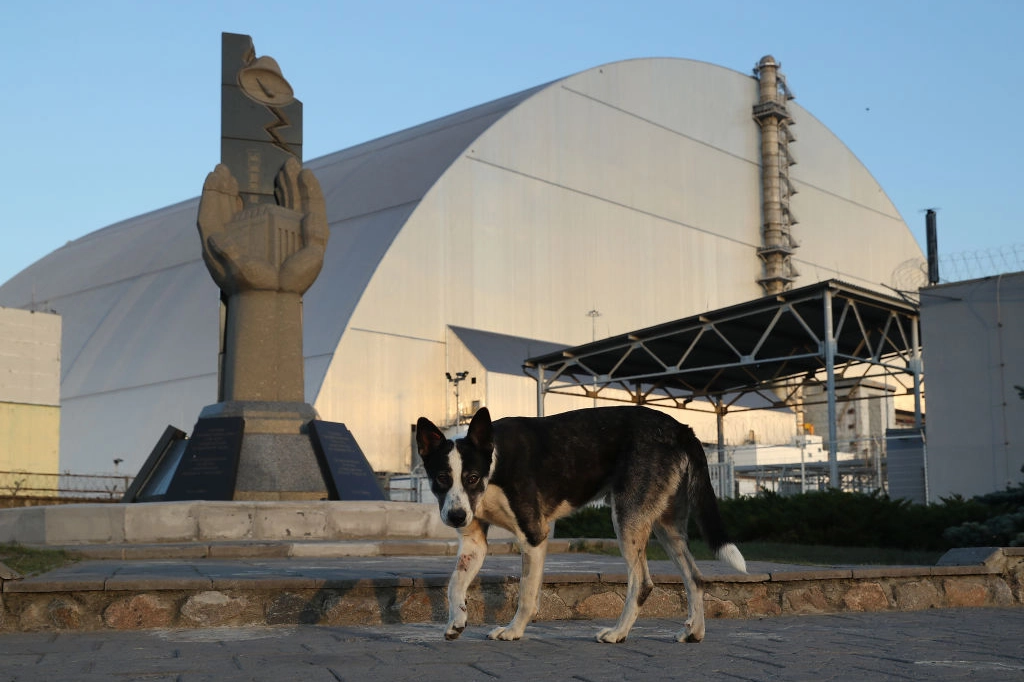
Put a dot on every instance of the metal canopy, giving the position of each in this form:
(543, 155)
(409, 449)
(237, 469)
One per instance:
(769, 347)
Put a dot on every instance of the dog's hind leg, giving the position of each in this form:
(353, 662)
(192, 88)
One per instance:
(529, 591)
(668, 532)
(472, 550)
(633, 535)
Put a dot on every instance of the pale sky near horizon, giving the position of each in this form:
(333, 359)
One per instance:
(112, 106)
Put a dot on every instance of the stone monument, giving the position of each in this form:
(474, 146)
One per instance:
(263, 227)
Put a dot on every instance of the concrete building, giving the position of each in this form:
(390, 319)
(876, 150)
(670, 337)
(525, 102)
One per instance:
(29, 399)
(616, 198)
(974, 333)
(800, 466)
(868, 410)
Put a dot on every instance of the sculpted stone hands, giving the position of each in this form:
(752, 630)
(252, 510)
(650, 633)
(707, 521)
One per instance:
(264, 247)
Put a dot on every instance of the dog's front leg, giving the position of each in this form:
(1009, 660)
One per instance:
(529, 591)
(472, 550)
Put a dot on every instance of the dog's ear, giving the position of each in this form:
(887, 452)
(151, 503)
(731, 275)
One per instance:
(428, 437)
(479, 432)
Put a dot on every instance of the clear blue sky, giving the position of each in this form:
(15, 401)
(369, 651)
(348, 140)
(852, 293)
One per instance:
(111, 107)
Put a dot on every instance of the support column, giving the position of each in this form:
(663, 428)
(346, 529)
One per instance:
(720, 411)
(540, 391)
(830, 389)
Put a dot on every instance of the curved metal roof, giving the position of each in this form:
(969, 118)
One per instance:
(111, 284)
(512, 217)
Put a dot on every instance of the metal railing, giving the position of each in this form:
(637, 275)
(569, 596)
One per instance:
(723, 479)
(65, 485)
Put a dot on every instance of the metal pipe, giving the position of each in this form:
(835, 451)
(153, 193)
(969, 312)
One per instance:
(933, 246)
(915, 369)
(720, 421)
(830, 387)
(540, 390)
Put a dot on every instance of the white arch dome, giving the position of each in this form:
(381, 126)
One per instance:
(632, 189)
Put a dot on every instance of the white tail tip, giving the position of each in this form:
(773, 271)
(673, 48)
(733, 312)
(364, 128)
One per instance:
(730, 554)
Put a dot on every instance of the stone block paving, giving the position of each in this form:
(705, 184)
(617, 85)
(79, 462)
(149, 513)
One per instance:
(941, 644)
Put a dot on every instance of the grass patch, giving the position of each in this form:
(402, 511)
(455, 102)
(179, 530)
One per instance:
(787, 553)
(30, 561)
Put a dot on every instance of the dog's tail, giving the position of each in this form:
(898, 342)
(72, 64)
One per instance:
(702, 494)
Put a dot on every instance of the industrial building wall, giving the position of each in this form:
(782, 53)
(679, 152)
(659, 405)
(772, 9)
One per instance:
(29, 393)
(377, 387)
(632, 189)
(126, 424)
(848, 228)
(973, 340)
(866, 409)
(29, 440)
(538, 223)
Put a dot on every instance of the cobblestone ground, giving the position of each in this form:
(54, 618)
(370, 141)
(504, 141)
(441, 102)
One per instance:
(950, 644)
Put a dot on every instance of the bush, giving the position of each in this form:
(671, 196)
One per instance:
(586, 522)
(820, 518)
(1003, 525)
(841, 519)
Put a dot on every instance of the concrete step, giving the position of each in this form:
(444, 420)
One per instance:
(202, 521)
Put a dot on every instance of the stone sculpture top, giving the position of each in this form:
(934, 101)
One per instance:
(263, 226)
(265, 247)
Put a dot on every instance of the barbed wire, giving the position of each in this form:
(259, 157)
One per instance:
(956, 267)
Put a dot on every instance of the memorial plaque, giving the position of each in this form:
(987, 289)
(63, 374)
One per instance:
(346, 471)
(210, 464)
(140, 488)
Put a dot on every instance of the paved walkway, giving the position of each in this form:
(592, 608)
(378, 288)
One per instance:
(935, 644)
(945, 644)
(316, 572)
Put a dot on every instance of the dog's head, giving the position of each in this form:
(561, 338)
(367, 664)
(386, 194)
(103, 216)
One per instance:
(459, 470)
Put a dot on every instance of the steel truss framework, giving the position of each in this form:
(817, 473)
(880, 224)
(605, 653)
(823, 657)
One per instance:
(762, 352)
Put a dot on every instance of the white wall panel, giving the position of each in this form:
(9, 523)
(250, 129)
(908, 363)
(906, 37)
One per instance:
(973, 337)
(127, 423)
(29, 357)
(633, 189)
(378, 386)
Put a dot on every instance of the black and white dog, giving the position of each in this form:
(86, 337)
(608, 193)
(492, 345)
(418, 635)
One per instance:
(522, 473)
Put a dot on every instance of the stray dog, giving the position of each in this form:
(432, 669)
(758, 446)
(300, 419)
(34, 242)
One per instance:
(522, 473)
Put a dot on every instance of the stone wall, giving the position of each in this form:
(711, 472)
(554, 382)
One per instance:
(997, 580)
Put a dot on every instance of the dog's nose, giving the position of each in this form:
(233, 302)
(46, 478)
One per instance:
(457, 517)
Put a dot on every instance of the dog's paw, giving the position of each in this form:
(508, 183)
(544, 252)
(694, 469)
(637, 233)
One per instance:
(691, 634)
(504, 634)
(612, 636)
(453, 631)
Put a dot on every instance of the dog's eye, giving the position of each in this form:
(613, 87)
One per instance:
(444, 479)
(472, 479)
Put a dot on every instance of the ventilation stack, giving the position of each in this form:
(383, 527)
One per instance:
(933, 246)
(777, 241)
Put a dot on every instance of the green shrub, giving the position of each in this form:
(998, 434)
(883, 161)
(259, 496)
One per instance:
(1002, 524)
(842, 519)
(586, 522)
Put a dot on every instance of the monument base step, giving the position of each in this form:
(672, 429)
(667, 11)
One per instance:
(214, 522)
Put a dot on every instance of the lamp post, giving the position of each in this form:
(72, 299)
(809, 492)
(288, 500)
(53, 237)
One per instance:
(456, 380)
(593, 315)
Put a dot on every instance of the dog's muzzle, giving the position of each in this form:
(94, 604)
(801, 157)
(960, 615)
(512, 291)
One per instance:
(457, 518)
